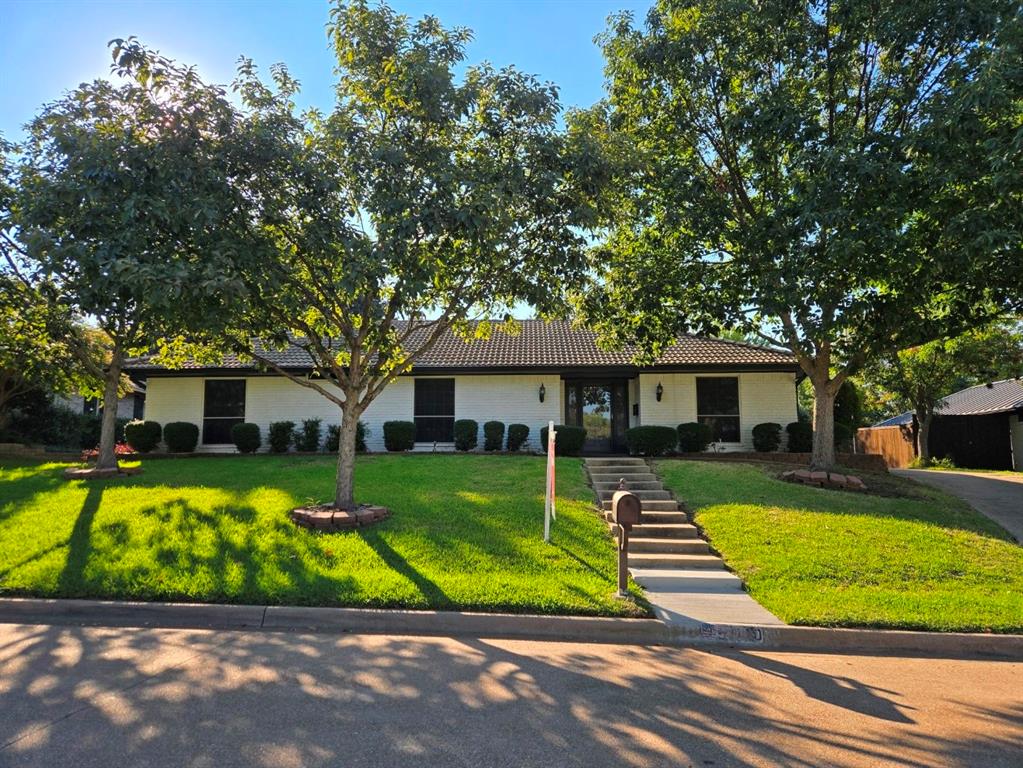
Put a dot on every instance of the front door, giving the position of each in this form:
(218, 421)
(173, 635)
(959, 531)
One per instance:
(602, 408)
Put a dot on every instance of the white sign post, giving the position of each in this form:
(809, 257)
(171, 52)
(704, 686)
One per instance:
(548, 505)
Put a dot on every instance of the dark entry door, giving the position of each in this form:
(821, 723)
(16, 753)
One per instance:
(602, 408)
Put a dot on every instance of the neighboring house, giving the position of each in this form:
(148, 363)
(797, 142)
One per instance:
(131, 406)
(548, 372)
(980, 427)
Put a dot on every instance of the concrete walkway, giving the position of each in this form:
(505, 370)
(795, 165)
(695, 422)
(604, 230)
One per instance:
(998, 496)
(686, 583)
(100, 697)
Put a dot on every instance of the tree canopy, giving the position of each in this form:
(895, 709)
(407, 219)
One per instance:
(798, 171)
(422, 203)
(122, 208)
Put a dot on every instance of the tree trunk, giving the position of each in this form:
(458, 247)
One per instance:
(823, 456)
(107, 458)
(923, 435)
(344, 491)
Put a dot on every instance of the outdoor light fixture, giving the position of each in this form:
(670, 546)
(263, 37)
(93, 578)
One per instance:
(659, 391)
(543, 392)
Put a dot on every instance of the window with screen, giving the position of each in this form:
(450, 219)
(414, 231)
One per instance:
(435, 410)
(717, 406)
(223, 407)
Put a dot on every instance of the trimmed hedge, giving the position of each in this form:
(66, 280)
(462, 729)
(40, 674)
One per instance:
(466, 434)
(693, 437)
(651, 440)
(309, 438)
(333, 441)
(800, 437)
(767, 437)
(493, 435)
(143, 436)
(89, 428)
(181, 436)
(399, 435)
(282, 434)
(517, 436)
(569, 442)
(246, 437)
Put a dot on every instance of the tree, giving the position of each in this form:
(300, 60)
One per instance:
(419, 205)
(795, 171)
(122, 209)
(921, 376)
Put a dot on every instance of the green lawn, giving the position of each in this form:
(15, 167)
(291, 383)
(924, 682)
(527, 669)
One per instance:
(831, 558)
(466, 533)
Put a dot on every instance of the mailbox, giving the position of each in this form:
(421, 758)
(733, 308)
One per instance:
(626, 509)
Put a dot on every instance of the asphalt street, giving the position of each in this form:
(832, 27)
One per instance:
(72, 696)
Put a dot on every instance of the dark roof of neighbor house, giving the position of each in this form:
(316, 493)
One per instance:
(541, 344)
(1001, 397)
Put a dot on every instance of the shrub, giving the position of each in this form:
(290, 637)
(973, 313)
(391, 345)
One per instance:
(309, 438)
(493, 435)
(800, 437)
(282, 433)
(90, 427)
(466, 434)
(334, 438)
(569, 442)
(181, 437)
(767, 437)
(399, 435)
(143, 436)
(651, 440)
(246, 437)
(517, 436)
(843, 435)
(693, 437)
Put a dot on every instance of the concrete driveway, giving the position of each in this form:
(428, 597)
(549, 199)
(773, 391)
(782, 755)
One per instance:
(998, 496)
(72, 696)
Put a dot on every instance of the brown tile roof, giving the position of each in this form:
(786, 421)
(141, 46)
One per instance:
(542, 344)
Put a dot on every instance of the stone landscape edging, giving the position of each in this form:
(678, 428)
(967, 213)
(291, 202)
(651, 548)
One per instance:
(623, 631)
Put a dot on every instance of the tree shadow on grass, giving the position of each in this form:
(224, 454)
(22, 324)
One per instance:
(72, 578)
(435, 596)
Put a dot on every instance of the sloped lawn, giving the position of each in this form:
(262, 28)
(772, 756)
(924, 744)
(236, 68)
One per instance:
(831, 558)
(466, 533)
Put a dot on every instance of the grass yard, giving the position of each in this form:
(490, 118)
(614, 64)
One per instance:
(466, 533)
(831, 558)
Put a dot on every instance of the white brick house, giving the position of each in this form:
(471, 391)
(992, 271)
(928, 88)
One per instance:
(548, 372)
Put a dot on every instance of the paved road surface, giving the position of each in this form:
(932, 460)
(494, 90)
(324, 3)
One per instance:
(1000, 497)
(81, 697)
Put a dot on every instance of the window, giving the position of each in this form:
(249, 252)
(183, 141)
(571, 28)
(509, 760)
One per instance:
(223, 407)
(435, 410)
(90, 406)
(138, 407)
(717, 406)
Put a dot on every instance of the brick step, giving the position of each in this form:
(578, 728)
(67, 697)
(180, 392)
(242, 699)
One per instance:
(615, 460)
(662, 531)
(655, 517)
(643, 495)
(630, 485)
(630, 477)
(658, 560)
(692, 546)
(639, 469)
(669, 505)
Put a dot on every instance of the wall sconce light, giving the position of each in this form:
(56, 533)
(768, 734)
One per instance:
(659, 391)
(543, 392)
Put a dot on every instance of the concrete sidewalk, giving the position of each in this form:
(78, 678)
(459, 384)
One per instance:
(84, 697)
(998, 496)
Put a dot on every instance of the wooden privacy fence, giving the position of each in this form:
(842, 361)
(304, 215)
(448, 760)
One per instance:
(894, 443)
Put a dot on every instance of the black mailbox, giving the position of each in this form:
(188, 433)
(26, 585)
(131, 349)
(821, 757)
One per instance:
(626, 509)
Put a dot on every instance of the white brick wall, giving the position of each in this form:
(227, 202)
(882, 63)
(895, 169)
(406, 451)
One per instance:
(508, 398)
(762, 397)
(511, 399)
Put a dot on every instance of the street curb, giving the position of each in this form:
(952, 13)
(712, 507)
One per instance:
(505, 626)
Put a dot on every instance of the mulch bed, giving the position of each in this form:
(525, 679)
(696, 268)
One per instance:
(325, 517)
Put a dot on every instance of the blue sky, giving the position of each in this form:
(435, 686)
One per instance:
(50, 47)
